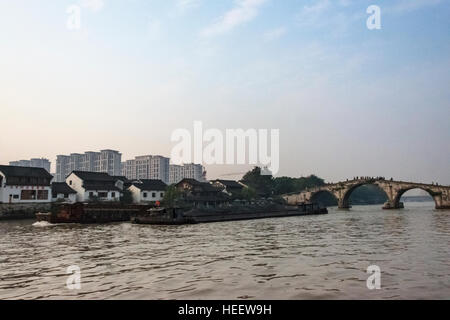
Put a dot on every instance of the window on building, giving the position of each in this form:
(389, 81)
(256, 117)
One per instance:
(113, 194)
(162, 194)
(16, 196)
(28, 195)
(154, 195)
(66, 195)
(70, 182)
(145, 195)
(103, 194)
(91, 194)
(42, 195)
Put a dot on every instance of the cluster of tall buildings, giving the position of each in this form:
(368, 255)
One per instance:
(159, 168)
(142, 167)
(147, 167)
(107, 161)
(33, 163)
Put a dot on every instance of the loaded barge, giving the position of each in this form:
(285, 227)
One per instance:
(179, 216)
(90, 213)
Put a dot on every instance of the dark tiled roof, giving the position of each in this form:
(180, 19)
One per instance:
(121, 178)
(94, 176)
(229, 183)
(13, 171)
(206, 187)
(61, 187)
(97, 181)
(26, 176)
(100, 187)
(190, 181)
(151, 185)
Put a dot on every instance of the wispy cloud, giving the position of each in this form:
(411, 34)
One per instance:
(94, 5)
(274, 34)
(243, 11)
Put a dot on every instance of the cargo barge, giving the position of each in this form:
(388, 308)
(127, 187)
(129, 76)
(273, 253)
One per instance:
(180, 216)
(90, 213)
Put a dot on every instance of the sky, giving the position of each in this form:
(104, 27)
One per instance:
(348, 101)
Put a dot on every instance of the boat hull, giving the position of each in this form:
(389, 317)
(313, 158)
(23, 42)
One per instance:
(197, 216)
(90, 213)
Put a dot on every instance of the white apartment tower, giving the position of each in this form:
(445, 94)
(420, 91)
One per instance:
(175, 173)
(107, 161)
(110, 161)
(33, 163)
(187, 171)
(62, 168)
(147, 167)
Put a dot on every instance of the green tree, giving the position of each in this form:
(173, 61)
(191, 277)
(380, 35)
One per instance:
(285, 185)
(262, 184)
(171, 196)
(248, 193)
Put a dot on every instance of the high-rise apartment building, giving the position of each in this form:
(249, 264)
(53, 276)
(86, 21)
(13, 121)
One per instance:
(189, 171)
(176, 173)
(147, 167)
(62, 168)
(33, 163)
(108, 161)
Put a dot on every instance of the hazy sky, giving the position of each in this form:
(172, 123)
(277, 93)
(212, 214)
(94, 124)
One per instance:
(348, 101)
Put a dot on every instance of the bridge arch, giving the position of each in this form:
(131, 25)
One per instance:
(345, 200)
(316, 197)
(401, 192)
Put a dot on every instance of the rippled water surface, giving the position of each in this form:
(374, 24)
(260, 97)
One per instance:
(323, 257)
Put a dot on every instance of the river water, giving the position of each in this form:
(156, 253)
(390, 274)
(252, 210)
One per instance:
(313, 257)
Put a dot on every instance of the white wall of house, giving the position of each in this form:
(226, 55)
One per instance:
(60, 196)
(103, 195)
(13, 194)
(77, 185)
(136, 194)
(143, 196)
(83, 195)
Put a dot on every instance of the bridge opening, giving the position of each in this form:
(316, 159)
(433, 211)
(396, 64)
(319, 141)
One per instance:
(325, 199)
(416, 197)
(364, 194)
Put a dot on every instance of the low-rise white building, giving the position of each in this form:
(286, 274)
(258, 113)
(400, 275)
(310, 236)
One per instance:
(25, 185)
(147, 191)
(62, 192)
(95, 185)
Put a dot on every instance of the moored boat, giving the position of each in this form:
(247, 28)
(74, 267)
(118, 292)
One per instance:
(90, 213)
(178, 216)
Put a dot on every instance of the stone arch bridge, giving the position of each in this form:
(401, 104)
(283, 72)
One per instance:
(393, 189)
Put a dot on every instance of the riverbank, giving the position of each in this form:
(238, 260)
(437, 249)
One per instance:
(22, 211)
